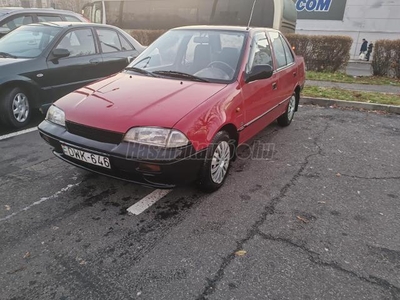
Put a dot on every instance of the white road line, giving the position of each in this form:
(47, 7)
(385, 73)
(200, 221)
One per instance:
(7, 136)
(147, 201)
(63, 190)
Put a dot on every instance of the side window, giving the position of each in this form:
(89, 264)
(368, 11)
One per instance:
(71, 18)
(79, 42)
(288, 52)
(109, 40)
(17, 22)
(260, 53)
(125, 44)
(49, 18)
(279, 49)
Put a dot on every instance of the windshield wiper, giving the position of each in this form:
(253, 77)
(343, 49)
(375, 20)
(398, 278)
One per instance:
(141, 71)
(7, 55)
(181, 75)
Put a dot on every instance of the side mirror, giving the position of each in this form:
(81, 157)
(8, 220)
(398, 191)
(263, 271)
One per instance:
(4, 31)
(259, 72)
(60, 53)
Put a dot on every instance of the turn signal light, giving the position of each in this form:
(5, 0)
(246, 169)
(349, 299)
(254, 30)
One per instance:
(149, 168)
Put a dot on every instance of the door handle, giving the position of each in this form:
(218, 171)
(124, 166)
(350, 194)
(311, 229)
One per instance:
(95, 61)
(294, 74)
(274, 86)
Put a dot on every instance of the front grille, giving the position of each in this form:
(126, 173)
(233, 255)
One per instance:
(96, 134)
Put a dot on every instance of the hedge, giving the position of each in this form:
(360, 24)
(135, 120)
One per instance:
(145, 37)
(386, 58)
(322, 52)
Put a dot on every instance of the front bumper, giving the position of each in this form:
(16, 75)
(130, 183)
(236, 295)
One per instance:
(176, 166)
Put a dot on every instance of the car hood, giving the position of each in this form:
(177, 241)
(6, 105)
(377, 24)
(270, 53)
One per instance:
(11, 61)
(123, 101)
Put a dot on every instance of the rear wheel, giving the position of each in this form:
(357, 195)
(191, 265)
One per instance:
(217, 163)
(15, 108)
(287, 117)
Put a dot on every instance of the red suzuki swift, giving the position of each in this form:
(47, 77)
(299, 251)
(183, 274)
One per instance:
(179, 111)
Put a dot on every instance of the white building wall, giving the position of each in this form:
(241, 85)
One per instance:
(369, 19)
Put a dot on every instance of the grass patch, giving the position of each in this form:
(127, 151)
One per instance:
(341, 77)
(340, 94)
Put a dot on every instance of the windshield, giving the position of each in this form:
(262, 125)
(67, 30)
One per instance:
(206, 54)
(28, 41)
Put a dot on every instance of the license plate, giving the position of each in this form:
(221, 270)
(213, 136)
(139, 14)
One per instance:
(87, 157)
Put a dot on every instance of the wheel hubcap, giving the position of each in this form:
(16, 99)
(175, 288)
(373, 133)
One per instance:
(20, 107)
(292, 107)
(220, 162)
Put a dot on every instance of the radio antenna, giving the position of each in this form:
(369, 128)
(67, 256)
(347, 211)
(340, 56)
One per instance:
(251, 14)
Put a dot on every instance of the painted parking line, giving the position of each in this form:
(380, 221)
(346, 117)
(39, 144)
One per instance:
(7, 136)
(44, 199)
(147, 201)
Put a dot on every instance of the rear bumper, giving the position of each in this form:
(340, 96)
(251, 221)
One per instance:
(176, 166)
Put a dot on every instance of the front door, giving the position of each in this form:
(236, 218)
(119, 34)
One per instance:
(260, 96)
(78, 69)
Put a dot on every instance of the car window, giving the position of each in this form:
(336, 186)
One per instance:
(279, 49)
(71, 18)
(208, 54)
(78, 42)
(28, 41)
(49, 18)
(109, 40)
(261, 52)
(125, 44)
(288, 52)
(17, 22)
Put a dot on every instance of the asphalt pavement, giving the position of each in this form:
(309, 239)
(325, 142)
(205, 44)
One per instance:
(318, 219)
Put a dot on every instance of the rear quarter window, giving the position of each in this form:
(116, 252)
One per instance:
(49, 18)
(71, 18)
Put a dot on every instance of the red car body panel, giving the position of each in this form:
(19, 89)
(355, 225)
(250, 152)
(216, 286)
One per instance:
(123, 101)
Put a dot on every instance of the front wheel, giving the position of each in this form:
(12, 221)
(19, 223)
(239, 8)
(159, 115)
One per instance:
(217, 163)
(15, 108)
(287, 117)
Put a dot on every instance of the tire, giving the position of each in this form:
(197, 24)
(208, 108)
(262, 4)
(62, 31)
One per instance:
(15, 109)
(215, 170)
(287, 117)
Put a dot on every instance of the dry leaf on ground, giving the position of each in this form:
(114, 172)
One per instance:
(241, 253)
(303, 219)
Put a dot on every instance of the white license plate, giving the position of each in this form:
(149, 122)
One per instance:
(87, 157)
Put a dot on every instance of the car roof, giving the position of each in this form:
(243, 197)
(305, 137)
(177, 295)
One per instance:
(223, 28)
(14, 10)
(66, 24)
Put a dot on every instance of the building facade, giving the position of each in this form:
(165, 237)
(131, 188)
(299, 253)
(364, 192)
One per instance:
(359, 19)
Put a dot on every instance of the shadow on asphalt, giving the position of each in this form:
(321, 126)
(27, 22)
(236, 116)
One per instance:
(37, 117)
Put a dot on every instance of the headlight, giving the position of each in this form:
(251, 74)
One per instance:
(153, 136)
(56, 115)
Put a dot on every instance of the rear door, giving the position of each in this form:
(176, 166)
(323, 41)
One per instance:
(285, 65)
(116, 50)
(78, 69)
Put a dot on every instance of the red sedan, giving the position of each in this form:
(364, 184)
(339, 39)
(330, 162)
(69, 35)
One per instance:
(179, 111)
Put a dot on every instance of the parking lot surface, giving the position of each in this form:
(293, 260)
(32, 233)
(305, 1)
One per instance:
(318, 219)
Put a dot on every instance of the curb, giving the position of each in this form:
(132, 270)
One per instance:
(394, 109)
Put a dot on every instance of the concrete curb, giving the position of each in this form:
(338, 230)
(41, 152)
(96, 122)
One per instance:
(394, 109)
